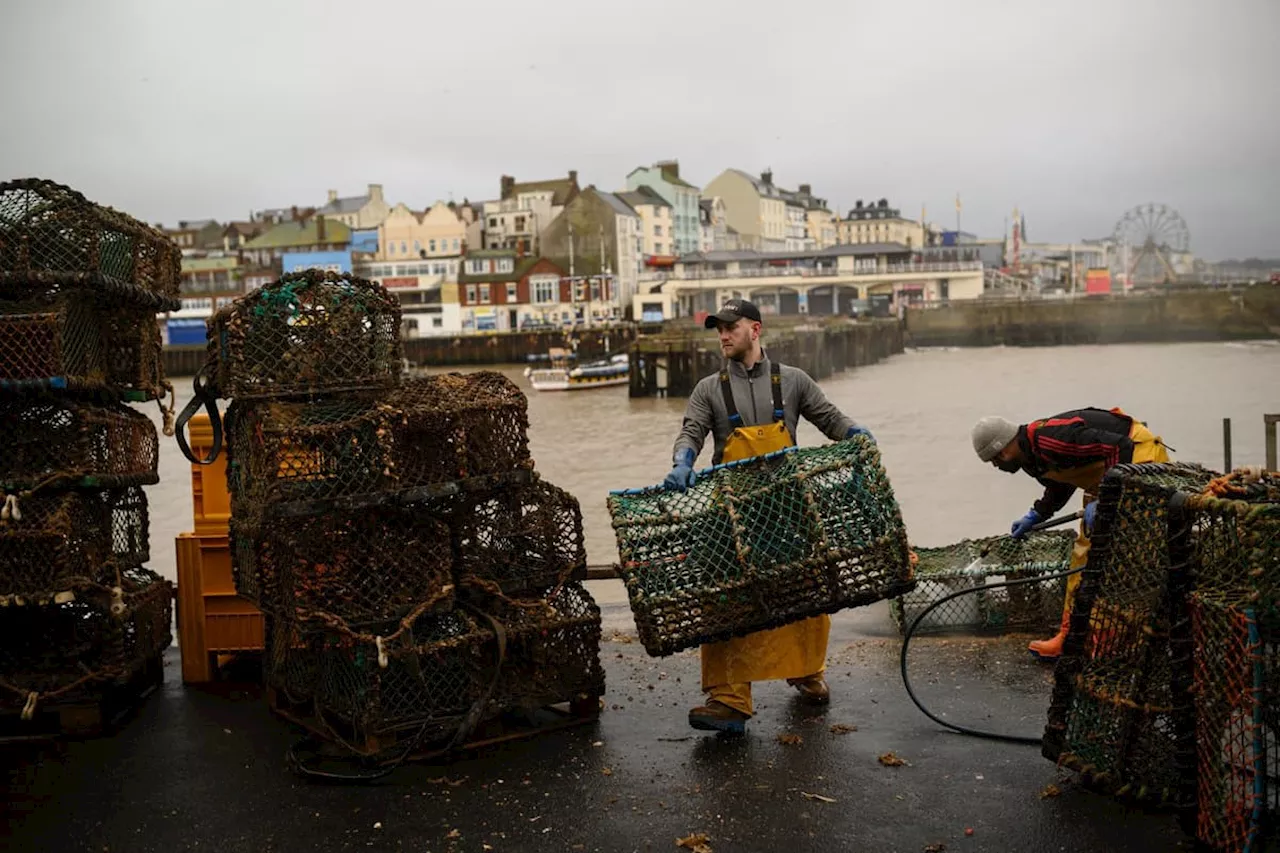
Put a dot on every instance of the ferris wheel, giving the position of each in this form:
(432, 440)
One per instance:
(1149, 239)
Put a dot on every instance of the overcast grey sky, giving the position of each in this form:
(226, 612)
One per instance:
(1073, 111)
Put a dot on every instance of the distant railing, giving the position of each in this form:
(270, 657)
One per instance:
(807, 272)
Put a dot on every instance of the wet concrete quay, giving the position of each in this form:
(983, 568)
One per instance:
(204, 769)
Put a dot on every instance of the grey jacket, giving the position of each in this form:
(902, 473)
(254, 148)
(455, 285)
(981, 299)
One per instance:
(753, 395)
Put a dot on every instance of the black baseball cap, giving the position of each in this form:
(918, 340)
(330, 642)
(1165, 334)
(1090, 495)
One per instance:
(732, 311)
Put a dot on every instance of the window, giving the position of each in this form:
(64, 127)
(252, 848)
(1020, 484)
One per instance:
(438, 269)
(657, 230)
(437, 322)
(471, 293)
(578, 291)
(506, 265)
(478, 266)
(417, 247)
(512, 292)
(455, 245)
(658, 247)
(595, 291)
(431, 246)
(493, 222)
(544, 291)
(404, 250)
(519, 223)
(484, 293)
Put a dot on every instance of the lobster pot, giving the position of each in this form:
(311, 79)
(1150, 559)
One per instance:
(308, 333)
(1030, 607)
(1228, 702)
(86, 641)
(76, 442)
(761, 543)
(67, 538)
(520, 537)
(359, 565)
(52, 238)
(421, 685)
(1112, 713)
(553, 648)
(76, 341)
(428, 432)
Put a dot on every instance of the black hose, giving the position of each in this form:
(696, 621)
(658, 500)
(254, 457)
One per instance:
(906, 643)
(906, 640)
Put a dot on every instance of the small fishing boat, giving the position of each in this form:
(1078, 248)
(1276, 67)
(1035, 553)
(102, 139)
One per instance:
(561, 375)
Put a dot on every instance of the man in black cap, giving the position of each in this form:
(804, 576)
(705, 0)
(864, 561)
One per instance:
(752, 407)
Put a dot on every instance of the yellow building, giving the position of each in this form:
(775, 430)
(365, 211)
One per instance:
(657, 230)
(754, 207)
(437, 232)
(879, 223)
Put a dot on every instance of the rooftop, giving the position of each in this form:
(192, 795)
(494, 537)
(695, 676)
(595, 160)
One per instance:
(615, 200)
(643, 195)
(521, 269)
(209, 264)
(302, 233)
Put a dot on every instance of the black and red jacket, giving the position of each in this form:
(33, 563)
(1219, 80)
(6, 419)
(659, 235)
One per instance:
(1074, 439)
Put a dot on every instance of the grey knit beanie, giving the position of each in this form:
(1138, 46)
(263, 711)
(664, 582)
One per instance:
(991, 435)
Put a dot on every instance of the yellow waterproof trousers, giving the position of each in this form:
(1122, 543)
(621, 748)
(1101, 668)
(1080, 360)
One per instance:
(1147, 447)
(797, 651)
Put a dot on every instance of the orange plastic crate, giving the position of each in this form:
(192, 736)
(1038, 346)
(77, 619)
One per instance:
(212, 619)
(210, 502)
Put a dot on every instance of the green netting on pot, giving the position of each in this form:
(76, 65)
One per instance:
(941, 571)
(761, 543)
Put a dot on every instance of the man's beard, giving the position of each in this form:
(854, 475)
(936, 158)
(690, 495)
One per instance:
(1012, 466)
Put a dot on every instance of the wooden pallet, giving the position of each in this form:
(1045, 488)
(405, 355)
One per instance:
(99, 710)
(389, 748)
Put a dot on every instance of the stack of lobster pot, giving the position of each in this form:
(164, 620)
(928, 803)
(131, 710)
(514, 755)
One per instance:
(82, 623)
(417, 576)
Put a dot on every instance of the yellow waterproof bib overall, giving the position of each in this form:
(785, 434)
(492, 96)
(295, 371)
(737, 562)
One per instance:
(1147, 447)
(797, 651)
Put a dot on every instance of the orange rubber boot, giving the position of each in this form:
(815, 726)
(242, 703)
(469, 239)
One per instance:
(1051, 649)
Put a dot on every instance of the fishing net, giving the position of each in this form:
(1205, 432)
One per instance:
(308, 333)
(53, 238)
(68, 649)
(1111, 716)
(349, 566)
(54, 541)
(1228, 694)
(519, 537)
(418, 678)
(1033, 607)
(74, 341)
(52, 439)
(427, 432)
(761, 543)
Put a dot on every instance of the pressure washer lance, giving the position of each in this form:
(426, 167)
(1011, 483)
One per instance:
(906, 639)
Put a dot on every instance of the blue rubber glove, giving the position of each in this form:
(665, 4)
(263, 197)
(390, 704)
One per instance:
(682, 476)
(1023, 526)
(857, 430)
(1090, 513)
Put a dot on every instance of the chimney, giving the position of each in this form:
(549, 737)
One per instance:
(806, 189)
(766, 177)
(293, 213)
(858, 206)
(333, 196)
(520, 249)
(375, 192)
(507, 186)
(573, 176)
(319, 230)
